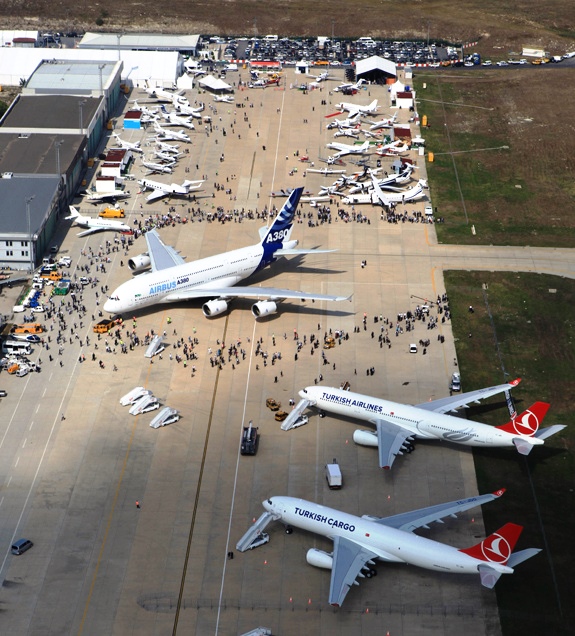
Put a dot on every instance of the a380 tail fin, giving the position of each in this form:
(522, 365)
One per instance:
(281, 228)
(528, 422)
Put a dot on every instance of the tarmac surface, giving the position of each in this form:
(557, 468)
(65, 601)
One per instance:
(74, 462)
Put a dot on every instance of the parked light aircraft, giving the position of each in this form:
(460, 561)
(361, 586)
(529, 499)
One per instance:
(168, 157)
(172, 119)
(398, 425)
(353, 109)
(393, 148)
(349, 88)
(228, 99)
(145, 111)
(171, 135)
(349, 122)
(383, 123)
(99, 197)
(162, 95)
(173, 280)
(96, 225)
(172, 148)
(161, 190)
(377, 196)
(128, 145)
(346, 149)
(185, 108)
(163, 168)
(359, 541)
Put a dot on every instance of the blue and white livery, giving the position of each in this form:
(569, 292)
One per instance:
(172, 280)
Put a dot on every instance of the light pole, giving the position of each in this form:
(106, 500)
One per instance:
(80, 106)
(100, 68)
(29, 200)
(57, 146)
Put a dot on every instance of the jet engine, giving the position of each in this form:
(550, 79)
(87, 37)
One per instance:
(264, 308)
(214, 307)
(319, 559)
(365, 438)
(139, 263)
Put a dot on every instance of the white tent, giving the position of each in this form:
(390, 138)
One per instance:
(211, 83)
(375, 63)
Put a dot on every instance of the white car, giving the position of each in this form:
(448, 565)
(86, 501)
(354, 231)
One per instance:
(38, 309)
(487, 63)
(502, 63)
(65, 261)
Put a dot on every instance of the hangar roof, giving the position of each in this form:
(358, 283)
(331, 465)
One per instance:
(375, 63)
(36, 153)
(60, 112)
(15, 191)
(66, 76)
(150, 41)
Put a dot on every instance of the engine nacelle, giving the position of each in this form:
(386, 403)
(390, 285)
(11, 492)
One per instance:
(319, 559)
(365, 438)
(264, 308)
(139, 263)
(214, 307)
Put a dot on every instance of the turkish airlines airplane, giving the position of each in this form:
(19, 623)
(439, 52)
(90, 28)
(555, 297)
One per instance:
(398, 425)
(359, 541)
(173, 280)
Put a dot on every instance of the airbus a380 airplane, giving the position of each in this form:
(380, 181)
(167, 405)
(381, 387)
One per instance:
(172, 280)
(398, 425)
(359, 541)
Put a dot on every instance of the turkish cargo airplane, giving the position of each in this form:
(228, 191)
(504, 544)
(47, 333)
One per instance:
(173, 280)
(398, 425)
(359, 541)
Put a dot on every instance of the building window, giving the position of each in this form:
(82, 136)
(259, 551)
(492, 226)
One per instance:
(24, 243)
(8, 243)
(9, 253)
(25, 253)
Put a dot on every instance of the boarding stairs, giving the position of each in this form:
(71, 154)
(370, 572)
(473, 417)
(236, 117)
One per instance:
(294, 419)
(255, 531)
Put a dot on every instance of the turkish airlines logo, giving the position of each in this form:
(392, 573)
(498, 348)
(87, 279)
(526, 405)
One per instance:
(496, 549)
(526, 424)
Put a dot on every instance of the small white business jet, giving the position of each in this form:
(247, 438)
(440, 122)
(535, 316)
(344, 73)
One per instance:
(127, 145)
(96, 225)
(161, 190)
(347, 149)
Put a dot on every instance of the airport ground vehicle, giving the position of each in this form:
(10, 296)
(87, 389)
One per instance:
(329, 342)
(112, 213)
(166, 416)
(333, 475)
(280, 416)
(272, 404)
(144, 404)
(3, 393)
(21, 546)
(65, 261)
(103, 326)
(61, 288)
(19, 347)
(456, 381)
(250, 440)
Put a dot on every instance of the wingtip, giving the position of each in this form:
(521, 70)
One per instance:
(499, 492)
(515, 382)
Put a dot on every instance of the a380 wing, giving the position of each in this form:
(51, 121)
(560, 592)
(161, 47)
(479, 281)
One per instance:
(454, 402)
(162, 256)
(251, 292)
(410, 521)
(348, 560)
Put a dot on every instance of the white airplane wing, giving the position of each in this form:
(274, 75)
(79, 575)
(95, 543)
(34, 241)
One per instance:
(349, 559)
(452, 403)
(250, 292)
(410, 521)
(91, 230)
(157, 194)
(390, 439)
(162, 256)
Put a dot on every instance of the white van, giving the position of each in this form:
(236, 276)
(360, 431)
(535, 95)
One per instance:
(271, 38)
(17, 346)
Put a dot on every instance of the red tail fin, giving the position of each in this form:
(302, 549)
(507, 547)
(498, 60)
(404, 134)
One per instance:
(497, 547)
(528, 422)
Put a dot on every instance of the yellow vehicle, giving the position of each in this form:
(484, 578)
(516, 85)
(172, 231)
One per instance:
(329, 342)
(55, 276)
(13, 368)
(33, 327)
(103, 326)
(272, 404)
(280, 416)
(112, 213)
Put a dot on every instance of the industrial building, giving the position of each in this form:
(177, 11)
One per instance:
(184, 44)
(46, 138)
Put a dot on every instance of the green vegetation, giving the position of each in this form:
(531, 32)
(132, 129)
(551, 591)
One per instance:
(531, 334)
(494, 168)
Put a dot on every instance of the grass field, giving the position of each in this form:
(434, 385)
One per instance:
(524, 324)
(501, 26)
(504, 154)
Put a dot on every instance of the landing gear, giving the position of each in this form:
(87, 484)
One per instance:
(289, 530)
(409, 447)
(321, 413)
(370, 573)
